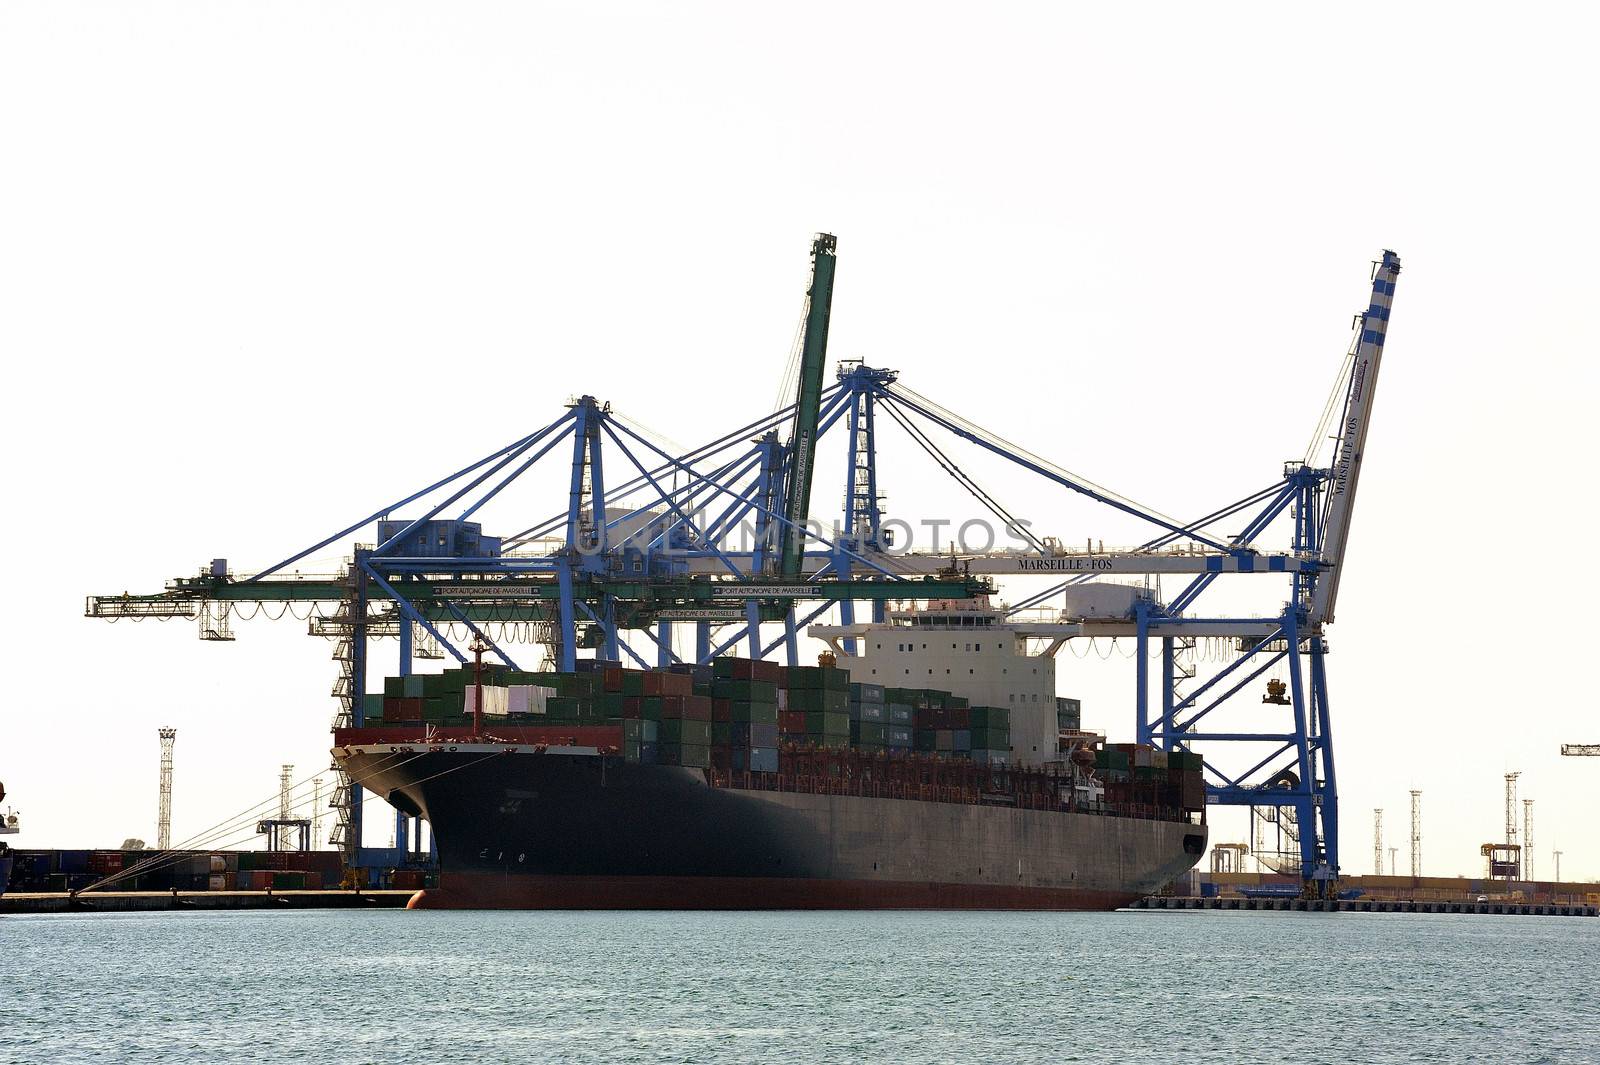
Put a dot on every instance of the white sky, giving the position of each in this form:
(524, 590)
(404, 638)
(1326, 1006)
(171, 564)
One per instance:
(265, 267)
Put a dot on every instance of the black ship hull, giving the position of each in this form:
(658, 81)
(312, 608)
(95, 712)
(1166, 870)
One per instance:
(520, 829)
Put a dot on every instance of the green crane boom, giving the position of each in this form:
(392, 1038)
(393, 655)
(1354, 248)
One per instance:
(803, 443)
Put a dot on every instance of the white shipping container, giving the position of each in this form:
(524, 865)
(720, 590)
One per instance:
(528, 698)
(496, 700)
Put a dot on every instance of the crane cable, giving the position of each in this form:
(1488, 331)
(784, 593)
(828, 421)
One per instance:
(226, 826)
(962, 478)
(1341, 380)
(151, 865)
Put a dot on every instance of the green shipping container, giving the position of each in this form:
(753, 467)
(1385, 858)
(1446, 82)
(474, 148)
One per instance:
(750, 691)
(991, 717)
(991, 739)
(650, 708)
(828, 725)
(873, 734)
(835, 679)
(561, 708)
(686, 732)
(755, 713)
(818, 701)
(688, 754)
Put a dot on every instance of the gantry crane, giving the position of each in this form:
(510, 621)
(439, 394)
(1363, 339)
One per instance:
(629, 560)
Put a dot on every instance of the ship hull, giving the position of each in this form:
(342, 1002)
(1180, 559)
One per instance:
(580, 830)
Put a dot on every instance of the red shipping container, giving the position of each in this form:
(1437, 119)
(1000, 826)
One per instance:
(612, 679)
(632, 706)
(676, 684)
(652, 683)
(792, 722)
(402, 709)
(770, 672)
(696, 707)
(722, 709)
(671, 707)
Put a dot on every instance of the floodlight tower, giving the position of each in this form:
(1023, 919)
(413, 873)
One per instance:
(1377, 842)
(1527, 839)
(1511, 815)
(169, 736)
(1416, 833)
(284, 776)
(1392, 852)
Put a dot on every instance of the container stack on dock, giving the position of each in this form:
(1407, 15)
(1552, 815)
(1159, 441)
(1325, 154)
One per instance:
(148, 870)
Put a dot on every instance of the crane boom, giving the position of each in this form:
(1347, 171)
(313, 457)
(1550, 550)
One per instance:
(808, 403)
(1352, 440)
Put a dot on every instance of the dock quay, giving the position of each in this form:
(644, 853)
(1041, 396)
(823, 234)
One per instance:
(137, 901)
(1522, 909)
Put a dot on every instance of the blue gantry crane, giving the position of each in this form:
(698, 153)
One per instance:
(719, 541)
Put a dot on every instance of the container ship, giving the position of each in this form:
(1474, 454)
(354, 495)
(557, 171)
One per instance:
(914, 775)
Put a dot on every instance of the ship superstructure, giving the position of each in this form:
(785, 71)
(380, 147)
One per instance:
(966, 647)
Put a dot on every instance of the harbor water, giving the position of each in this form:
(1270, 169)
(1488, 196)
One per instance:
(902, 987)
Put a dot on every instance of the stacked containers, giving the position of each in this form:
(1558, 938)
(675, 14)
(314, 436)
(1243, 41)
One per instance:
(991, 734)
(685, 727)
(745, 713)
(818, 711)
(869, 717)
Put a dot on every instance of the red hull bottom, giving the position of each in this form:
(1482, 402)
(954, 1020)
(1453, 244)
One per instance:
(490, 891)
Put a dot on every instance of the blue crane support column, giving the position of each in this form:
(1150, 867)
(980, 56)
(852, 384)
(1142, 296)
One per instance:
(808, 402)
(851, 536)
(358, 688)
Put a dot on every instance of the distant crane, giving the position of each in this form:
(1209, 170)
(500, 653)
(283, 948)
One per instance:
(1581, 750)
(1558, 866)
(1392, 852)
(1511, 818)
(169, 736)
(278, 829)
(1416, 833)
(1377, 842)
(1527, 839)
